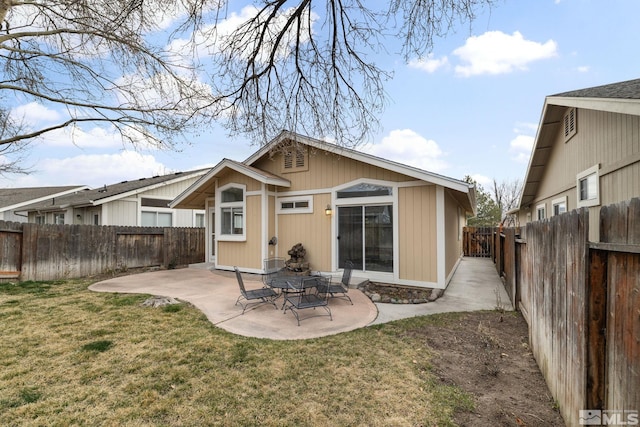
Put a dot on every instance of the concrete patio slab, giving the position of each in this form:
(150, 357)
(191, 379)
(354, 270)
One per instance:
(215, 294)
(474, 286)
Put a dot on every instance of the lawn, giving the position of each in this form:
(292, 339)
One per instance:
(69, 356)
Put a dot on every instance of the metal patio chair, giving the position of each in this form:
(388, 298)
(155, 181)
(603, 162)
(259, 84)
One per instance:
(340, 289)
(254, 297)
(306, 295)
(273, 270)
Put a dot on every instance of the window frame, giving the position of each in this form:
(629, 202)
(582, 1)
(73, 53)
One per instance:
(57, 215)
(542, 207)
(584, 176)
(236, 205)
(294, 210)
(558, 202)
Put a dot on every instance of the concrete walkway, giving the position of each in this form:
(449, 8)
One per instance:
(473, 287)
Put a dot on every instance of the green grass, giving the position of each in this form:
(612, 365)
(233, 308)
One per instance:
(69, 356)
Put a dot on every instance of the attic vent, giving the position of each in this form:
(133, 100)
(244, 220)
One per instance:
(570, 122)
(295, 159)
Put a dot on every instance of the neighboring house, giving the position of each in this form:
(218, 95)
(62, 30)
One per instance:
(586, 153)
(397, 223)
(141, 202)
(13, 200)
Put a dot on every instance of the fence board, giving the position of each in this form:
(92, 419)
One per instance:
(556, 298)
(477, 241)
(10, 242)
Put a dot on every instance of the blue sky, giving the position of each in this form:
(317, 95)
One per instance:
(471, 108)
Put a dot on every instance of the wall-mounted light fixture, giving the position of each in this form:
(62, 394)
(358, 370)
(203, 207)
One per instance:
(327, 210)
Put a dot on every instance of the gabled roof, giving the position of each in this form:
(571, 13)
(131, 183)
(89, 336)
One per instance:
(411, 171)
(622, 97)
(14, 198)
(108, 193)
(196, 193)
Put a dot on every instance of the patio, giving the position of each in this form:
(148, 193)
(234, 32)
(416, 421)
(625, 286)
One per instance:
(215, 293)
(474, 286)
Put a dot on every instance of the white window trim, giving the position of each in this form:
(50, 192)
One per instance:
(593, 170)
(541, 207)
(372, 200)
(559, 201)
(294, 210)
(219, 205)
(194, 217)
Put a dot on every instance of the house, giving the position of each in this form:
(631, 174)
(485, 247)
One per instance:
(586, 153)
(396, 223)
(141, 202)
(13, 199)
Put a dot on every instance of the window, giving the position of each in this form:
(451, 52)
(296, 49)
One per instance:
(156, 219)
(365, 190)
(40, 219)
(588, 187)
(290, 205)
(58, 218)
(199, 220)
(232, 208)
(96, 219)
(540, 212)
(559, 205)
(570, 123)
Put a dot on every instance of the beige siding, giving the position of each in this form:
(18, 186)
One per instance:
(453, 232)
(229, 176)
(245, 254)
(417, 233)
(327, 170)
(611, 140)
(313, 230)
(271, 226)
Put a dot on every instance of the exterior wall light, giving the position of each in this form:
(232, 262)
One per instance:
(327, 210)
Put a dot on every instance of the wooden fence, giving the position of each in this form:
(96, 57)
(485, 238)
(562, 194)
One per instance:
(582, 303)
(50, 252)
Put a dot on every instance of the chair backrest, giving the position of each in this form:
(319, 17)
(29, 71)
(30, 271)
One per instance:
(240, 282)
(272, 268)
(346, 274)
(272, 265)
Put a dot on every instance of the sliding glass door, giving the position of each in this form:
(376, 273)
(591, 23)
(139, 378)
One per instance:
(365, 237)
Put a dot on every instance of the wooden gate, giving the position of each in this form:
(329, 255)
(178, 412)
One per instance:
(479, 241)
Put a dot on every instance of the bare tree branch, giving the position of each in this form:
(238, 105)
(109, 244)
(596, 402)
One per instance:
(303, 65)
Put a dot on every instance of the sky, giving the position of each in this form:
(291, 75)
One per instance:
(472, 107)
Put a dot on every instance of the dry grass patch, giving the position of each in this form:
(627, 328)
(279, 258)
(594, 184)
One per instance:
(73, 357)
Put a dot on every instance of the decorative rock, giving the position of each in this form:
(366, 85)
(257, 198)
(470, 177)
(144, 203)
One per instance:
(159, 301)
(435, 294)
(375, 297)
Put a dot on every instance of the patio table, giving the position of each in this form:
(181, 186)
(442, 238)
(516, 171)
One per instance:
(289, 283)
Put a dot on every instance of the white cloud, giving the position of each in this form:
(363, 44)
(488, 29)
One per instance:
(482, 180)
(33, 113)
(520, 148)
(73, 136)
(495, 52)
(92, 170)
(584, 69)
(429, 64)
(408, 147)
